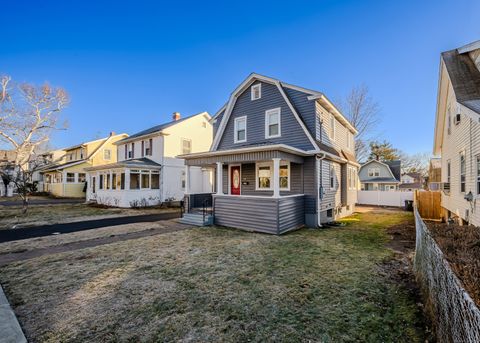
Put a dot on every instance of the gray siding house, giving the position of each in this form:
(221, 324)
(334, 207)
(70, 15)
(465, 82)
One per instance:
(283, 157)
(380, 176)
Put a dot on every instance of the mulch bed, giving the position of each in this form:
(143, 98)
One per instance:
(461, 247)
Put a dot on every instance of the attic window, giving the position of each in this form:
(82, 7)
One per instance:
(257, 91)
(373, 172)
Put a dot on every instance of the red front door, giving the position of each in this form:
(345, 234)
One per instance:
(235, 180)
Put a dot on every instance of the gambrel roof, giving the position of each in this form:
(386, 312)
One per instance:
(224, 113)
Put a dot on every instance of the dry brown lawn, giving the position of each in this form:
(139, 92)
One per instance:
(217, 284)
(11, 216)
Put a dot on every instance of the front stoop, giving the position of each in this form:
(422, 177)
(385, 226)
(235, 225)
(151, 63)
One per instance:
(196, 219)
(10, 330)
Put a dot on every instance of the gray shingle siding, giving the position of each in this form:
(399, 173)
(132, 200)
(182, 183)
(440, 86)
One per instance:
(291, 132)
(305, 108)
(216, 122)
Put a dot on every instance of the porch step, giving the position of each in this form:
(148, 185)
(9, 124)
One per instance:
(196, 219)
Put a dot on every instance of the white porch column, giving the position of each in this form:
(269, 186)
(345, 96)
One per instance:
(187, 179)
(276, 177)
(111, 179)
(127, 179)
(219, 178)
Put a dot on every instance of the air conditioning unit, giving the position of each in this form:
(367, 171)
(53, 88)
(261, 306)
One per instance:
(457, 118)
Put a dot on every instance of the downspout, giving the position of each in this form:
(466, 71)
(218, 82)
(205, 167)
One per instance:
(318, 161)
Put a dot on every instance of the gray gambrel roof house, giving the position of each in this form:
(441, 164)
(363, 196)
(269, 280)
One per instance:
(283, 157)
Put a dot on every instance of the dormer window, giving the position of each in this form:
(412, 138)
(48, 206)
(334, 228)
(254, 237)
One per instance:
(256, 91)
(240, 129)
(272, 123)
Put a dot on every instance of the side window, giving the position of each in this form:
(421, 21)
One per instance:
(186, 146)
(107, 154)
(240, 128)
(272, 123)
(463, 170)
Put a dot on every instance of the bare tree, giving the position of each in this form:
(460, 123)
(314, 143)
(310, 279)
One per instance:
(415, 163)
(363, 113)
(28, 115)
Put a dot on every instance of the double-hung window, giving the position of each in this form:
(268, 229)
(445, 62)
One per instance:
(186, 146)
(256, 91)
(148, 147)
(463, 171)
(272, 123)
(107, 154)
(70, 177)
(332, 178)
(373, 172)
(240, 129)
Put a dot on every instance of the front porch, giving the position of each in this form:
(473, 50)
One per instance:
(268, 191)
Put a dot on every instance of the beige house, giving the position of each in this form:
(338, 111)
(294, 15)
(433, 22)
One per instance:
(67, 178)
(457, 132)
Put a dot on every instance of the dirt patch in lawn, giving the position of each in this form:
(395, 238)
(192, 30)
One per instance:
(461, 247)
(399, 268)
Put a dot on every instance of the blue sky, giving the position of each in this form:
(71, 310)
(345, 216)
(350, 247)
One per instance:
(128, 65)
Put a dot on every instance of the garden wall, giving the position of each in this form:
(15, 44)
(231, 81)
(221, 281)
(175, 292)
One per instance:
(454, 314)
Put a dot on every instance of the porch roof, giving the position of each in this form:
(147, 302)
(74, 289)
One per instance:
(133, 163)
(248, 154)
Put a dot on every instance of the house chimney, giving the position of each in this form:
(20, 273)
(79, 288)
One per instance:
(112, 133)
(176, 116)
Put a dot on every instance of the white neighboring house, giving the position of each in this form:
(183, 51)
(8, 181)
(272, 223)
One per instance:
(457, 132)
(147, 172)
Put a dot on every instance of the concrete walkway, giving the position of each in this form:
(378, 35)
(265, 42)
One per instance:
(9, 235)
(10, 330)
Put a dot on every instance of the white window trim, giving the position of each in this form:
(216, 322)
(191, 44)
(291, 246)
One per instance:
(104, 154)
(267, 124)
(252, 91)
(270, 164)
(334, 175)
(229, 178)
(375, 169)
(182, 141)
(235, 140)
(462, 153)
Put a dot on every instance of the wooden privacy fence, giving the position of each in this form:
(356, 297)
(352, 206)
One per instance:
(429, 204)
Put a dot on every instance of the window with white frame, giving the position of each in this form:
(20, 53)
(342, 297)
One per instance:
(478, 174)
(186, 146)
(131, 151)
(240, 128)
(114, 181)
(449, 169)
(148, 147)
(155, 183)
(134, 179)
(463, 171)
(332, 127)
(82, 153)
(107, 154)
(82, 177)
(332, 178)
(272, 123)
(264, 174)
(145, 179)
(256, 91)
(70, 177)
(373, 172)
(100, 181)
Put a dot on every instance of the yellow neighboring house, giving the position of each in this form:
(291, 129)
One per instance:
(67, 179)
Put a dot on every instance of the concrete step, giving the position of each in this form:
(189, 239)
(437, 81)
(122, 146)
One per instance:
(196, 219)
